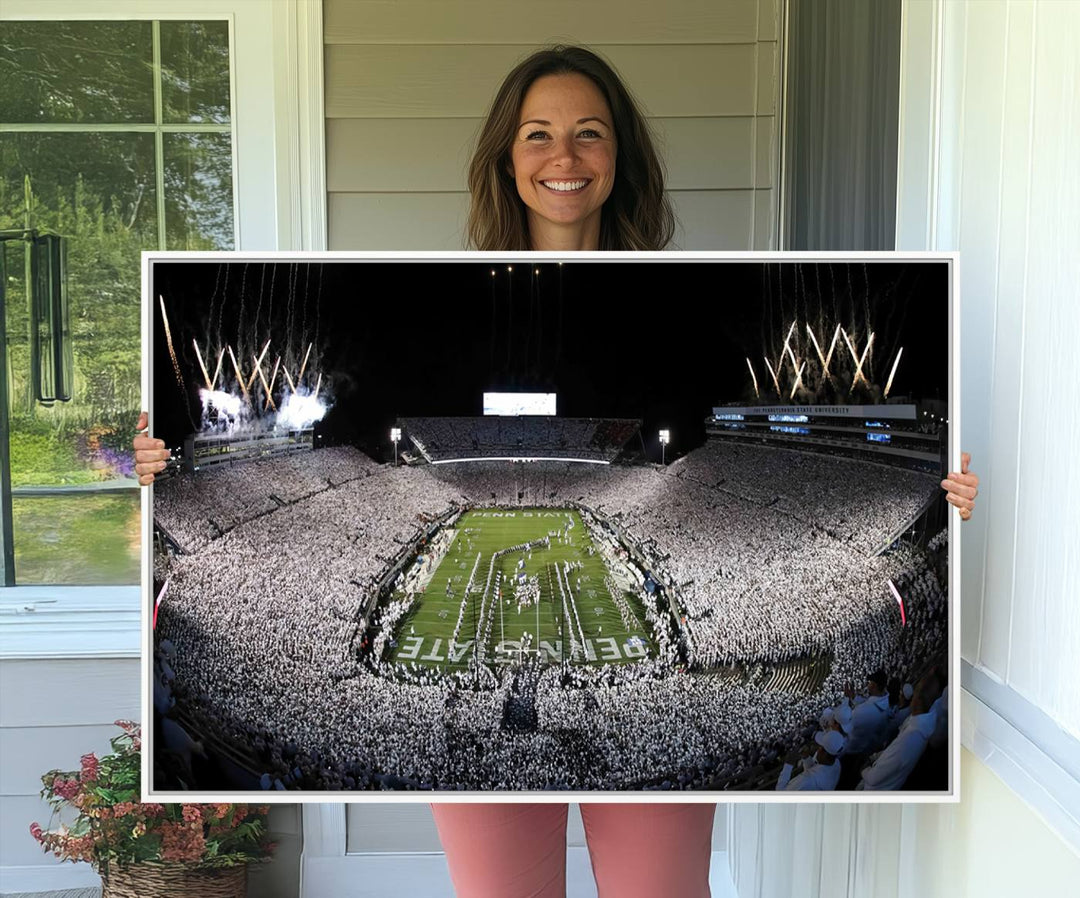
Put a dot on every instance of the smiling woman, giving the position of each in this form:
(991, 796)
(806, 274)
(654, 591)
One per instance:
(565, 161)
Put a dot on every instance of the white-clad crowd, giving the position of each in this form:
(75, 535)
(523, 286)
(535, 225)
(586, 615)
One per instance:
(758, 547)
(511, 436)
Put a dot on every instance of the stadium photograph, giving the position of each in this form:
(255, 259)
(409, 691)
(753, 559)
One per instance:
(445, 525)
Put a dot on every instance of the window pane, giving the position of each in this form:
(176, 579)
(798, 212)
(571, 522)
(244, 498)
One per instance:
(195, 71)
(198, 192)
(76, 72)
(77, 540)
(98, 191)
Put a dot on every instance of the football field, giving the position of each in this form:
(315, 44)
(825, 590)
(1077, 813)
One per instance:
(554, 599)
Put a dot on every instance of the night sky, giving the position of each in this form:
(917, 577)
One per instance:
(660, 341)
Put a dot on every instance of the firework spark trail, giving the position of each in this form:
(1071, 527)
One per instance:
(773, 326)
(798, 380)
(273, 380)
(786, 348)
(859, 364)
(813, 340)
(217, 370)
(776, 383)
(270, 308)
(318, 315)
(294, 274)
(209, 323)
(766, 296)
(258, 362)
(241, 333)
(832, 292)
(198, 355)
(866, 312)
(757, 393)
(820, 305)
(307, 294)
(888, 386)
(791, 354)
(266, 386)
(832, 346)
(288, 377)
(318, 385)
(239, 376)
(300, 376)
(172, 351)
(850, 346)
(221, 307)
(258, 305)
(850, 292)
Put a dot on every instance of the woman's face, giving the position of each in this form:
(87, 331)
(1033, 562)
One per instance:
(563, 160)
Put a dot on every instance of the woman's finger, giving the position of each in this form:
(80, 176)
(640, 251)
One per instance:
(960, 489)
(960, 501)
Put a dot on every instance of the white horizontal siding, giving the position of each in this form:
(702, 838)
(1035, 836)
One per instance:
(415, 81)
(60, 693)
(397, 221)
(530, 23)
(28, 752)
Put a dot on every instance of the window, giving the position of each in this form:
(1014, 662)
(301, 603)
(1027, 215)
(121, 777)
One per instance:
(116, 135)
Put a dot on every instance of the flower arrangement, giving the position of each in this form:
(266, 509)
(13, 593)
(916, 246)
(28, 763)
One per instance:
(114, 828)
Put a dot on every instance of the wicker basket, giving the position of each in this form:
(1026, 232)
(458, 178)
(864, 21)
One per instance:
(174, 881)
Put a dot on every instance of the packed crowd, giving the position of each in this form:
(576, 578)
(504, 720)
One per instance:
(495, 436)
(761, 551)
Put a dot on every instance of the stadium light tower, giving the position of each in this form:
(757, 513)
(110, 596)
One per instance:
(395, 435)
(665, 438)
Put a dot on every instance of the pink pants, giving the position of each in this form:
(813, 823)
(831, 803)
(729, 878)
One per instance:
(519, 850)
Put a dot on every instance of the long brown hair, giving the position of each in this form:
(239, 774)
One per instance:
(637, 214)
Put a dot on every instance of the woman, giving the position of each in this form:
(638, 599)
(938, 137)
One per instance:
(565, 162)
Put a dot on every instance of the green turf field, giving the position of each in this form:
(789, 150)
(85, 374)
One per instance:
(424, 635)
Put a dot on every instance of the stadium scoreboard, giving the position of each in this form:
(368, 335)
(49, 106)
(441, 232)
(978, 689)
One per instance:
(519, 404)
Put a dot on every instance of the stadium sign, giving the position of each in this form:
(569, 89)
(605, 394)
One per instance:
(895, 412)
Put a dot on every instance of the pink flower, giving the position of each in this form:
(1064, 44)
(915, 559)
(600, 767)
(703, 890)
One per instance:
(36, 831)
(89, 767)
(66, 789)
(192, 813)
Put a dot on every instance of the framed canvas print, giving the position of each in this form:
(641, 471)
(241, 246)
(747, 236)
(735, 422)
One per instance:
(459, 526)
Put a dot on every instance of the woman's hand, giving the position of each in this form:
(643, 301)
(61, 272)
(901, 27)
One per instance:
(150, 454)
(962, 488)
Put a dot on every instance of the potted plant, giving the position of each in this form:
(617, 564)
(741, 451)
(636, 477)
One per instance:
(164, 850)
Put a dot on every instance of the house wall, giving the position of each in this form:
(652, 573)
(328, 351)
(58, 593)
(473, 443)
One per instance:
(408, 84)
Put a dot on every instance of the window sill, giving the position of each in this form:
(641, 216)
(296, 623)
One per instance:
(70, 622)
(1028, 751)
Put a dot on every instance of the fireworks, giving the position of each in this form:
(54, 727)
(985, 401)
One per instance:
(172, 351)
(892, 374)
(757, 393)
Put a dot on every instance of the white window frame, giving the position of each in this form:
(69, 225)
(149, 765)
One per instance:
(276, 87)
(1011, 735)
